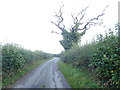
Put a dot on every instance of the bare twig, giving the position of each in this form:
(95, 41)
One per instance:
(55, 32)
(59, 16)
(91, 22)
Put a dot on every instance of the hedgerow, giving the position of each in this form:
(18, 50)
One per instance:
(106, 60)
(14, 58)
(101, 57)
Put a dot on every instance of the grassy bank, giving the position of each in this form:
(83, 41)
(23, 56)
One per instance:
(77, 78)
(11, 80)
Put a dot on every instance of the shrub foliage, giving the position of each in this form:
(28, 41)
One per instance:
(100, 56)
(14, 58)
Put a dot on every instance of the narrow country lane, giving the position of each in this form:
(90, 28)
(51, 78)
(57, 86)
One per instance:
(46, 75)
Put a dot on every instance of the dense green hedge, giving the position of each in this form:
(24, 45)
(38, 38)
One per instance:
(14, 58)
(0, 66)
(101, 57)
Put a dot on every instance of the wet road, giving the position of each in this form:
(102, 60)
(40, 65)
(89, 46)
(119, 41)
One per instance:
(46, 75)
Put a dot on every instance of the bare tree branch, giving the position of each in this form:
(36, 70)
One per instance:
(91, 22)
(77, 21)
(55, 32)
(82, 13)
(59, 16)
(57, 26)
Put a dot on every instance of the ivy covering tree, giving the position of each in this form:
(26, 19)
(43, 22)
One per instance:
(72, 36)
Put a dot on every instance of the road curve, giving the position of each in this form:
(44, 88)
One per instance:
(46, 75)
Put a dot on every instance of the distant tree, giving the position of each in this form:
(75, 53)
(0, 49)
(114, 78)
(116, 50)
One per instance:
(72, 36)
(56, 55)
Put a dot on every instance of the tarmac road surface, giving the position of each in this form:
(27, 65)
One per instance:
(46, 75)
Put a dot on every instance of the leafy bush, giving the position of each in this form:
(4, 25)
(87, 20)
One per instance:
(14, 58)
(101, 56)
(78, 56)
(106, 60)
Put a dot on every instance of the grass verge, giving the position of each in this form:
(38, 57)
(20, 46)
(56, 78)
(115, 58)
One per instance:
(11, 80)
(77, 78)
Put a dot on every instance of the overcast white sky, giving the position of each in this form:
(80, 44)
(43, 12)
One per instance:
(28, 22)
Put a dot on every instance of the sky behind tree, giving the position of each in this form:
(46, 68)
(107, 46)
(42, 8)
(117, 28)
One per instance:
(28, 22)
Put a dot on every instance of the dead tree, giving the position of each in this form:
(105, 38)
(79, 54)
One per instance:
(78, 25)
